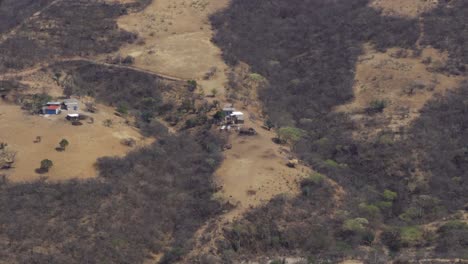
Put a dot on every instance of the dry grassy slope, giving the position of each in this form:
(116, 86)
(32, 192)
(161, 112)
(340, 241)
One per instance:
(176, 40)
(405, 82)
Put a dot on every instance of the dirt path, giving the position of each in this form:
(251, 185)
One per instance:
(26, 72)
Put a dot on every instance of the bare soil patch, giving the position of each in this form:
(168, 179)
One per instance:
(254, 170)
(87, 142)
(407, 8)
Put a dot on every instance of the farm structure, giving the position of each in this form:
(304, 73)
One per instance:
(232, 116)
(70, 104)
(56, 107)
(52, 108)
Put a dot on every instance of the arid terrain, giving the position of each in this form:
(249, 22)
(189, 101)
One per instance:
(87, 143)
(365, 100)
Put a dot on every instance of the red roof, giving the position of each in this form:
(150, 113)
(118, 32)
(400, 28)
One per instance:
(53, 107)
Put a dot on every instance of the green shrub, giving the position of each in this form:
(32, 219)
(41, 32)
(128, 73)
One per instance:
(411, 235)
(411, 214)
(290, 135)
(122, 109)
(453, 225)
(316, 178)
(64, 144)
(384, 205)
(219, 115)
(356, 225)
(256, 77)
(268, 124)
(35, 102)
(389, 195)
(332, 163)
(46, 164)
(192, 85)
(369, 210)
(377, 106)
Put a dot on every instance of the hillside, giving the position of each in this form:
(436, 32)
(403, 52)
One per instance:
(379, 94)
(359, 153)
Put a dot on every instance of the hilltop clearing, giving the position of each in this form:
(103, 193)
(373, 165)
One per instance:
(88, 142)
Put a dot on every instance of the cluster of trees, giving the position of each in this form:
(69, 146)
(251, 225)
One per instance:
(446, 28)
(137, 93)
(308, 50)
(14, 12)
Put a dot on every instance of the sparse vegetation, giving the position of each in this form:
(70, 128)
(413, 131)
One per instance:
(192, 85)
(377, 106)
(7, 156)
(46, 164)
(107, 123)
(63, 144)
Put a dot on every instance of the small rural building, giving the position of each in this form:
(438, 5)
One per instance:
(238, 117)
(70, 104)
(228, 109)
(52, 108)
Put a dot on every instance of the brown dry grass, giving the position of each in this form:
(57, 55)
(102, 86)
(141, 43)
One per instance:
(405, 83)
(87, 142)
(406, 8)
(175, 39)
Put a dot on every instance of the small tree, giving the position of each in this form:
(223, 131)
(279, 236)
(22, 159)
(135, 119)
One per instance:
(377, 106)
(268, 124)
(64, 144)
(192, 85)
(122, 109)
(214, 92)
(46, 164)
(290, 135)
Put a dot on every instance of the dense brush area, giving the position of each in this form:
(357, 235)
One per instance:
(149, 202)
(395, 183)
(64, 28)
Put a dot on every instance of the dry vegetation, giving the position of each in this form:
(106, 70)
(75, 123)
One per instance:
(372, 94)
(402, 81)
(175, 40)
(413, 8)
(398, 173)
